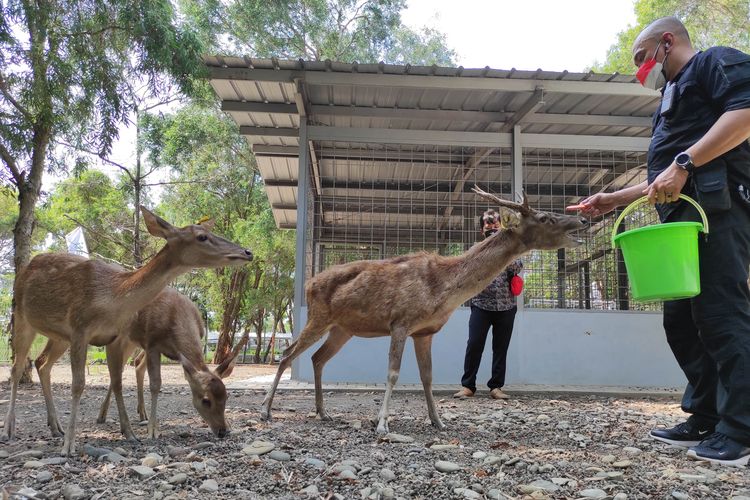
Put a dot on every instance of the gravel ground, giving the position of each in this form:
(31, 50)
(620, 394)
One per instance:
(532, 446)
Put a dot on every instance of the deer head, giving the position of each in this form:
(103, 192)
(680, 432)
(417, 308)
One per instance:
(209, 392)
(540, 230)
(196, 245)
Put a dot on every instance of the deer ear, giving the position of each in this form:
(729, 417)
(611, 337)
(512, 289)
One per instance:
(208, 224)
(189, 367)
(156, 225)
(227, 366)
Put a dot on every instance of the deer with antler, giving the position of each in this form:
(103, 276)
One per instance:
(412, 296)
(170, 325)
(75, 301)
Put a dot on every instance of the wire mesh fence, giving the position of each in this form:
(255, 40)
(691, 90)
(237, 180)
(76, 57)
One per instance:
(373, 201)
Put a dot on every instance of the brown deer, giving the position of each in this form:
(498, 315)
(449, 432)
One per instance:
(412, 296)
(75, 301)
(171, 325)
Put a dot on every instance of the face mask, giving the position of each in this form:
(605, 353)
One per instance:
(651, 74)
(490, 229)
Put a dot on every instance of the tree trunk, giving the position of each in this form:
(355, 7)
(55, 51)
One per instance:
(259, 333)
(137, 187)
(28, 195)
(233, 295)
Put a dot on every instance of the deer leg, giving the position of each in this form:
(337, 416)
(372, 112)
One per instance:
(115, 355)
(333, 344)
(140, 373)
(307, 337)
(153, 362)
(105, 404)
(423, 350)
(44, 363)
(21, 338)
(78, 369)
(398, 340)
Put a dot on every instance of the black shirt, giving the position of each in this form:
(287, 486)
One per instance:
(710, 84)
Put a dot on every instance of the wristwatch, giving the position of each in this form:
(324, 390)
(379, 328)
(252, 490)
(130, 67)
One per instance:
(685, 162)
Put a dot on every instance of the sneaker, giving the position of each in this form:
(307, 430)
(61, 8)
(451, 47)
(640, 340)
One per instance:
(719, 448)
(684, 434)
(497, 393)
(464, 393)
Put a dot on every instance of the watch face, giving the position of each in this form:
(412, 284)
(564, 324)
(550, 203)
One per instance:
(682, 159)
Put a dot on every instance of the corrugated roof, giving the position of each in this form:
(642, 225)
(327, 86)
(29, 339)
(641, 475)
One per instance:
(265, 96)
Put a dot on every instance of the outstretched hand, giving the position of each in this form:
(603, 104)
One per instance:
(593, 206)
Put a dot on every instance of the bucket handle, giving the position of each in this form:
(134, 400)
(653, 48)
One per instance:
(637, 202)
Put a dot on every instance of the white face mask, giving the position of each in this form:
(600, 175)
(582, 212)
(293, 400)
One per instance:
(651, 73)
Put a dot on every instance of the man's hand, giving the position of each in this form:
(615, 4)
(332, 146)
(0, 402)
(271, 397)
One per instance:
(667, 187)
(598, 204)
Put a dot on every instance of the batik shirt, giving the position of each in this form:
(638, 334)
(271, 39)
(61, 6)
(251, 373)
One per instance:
(497, 296)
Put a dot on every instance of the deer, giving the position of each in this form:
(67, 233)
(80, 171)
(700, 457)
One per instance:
(412, 296)
(170, 325)
(75, 301)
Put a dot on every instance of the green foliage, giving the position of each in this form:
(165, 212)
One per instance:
(339, 30)
(709, 22)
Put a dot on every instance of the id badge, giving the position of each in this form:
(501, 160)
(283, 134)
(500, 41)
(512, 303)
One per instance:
(668, 99)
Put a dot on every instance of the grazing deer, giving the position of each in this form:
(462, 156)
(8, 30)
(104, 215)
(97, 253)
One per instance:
(75, 301)
(412, 296)
(171, 325)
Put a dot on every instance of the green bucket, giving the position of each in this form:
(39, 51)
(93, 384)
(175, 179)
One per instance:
(661, 260)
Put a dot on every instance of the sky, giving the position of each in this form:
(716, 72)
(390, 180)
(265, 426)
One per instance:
(553, 35)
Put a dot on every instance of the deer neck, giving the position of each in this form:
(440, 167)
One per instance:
(138, 288)
(481, 264)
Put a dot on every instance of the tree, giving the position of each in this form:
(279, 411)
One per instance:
(709, 22)
(62, 79)
(340, 30)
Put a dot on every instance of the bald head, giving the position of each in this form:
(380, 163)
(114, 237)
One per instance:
(657, 28)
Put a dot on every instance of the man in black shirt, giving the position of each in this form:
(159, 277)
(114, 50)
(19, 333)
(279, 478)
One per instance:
(699, 147)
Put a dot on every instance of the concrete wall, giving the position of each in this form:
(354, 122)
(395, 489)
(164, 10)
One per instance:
(557, 347)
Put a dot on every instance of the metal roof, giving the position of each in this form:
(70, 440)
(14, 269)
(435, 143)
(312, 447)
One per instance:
(431, 117)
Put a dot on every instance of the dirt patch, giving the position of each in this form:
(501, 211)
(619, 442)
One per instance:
(533, 446)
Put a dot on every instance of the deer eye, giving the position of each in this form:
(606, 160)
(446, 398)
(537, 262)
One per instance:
(206, 402)
(202, 237)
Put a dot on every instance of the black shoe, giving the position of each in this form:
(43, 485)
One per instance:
(719, 448)
(684, 434)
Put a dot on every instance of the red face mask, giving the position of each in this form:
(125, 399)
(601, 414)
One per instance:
(650, 74)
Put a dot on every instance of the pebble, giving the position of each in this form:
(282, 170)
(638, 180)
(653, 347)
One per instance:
(54, 461)
(693, 477)
(44, 476)
(494, 494)
(387, 475)
(279, 456)
(211, 463)
(442, 447)
(680, 495)
(479, 455)
(397, 438)
(258, 448)
(24, 455)
(445, 466)
(623, 464)
(314, 462)
(176, 451)
(593, 493)
(203, 445)
(33, 464)
(543, 485)
(492, 460)
(72, 492)
(467, 493)
(209, 486)
(152, 460)
(4, 454)
(113, 457)
(311, 491)
(96, 452)
(347, 474)
(608, 459)
(199, 466)
(142, 471)
(178, 478)
(631, 450)
(26, 493)
(621, 496)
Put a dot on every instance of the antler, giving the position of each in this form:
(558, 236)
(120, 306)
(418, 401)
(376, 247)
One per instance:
(522, 208)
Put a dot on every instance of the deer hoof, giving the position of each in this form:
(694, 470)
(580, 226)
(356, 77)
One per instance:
(439, 425)
(56, 430)
(382, 428)
(68, 449)
(324, 416)
(101, 420)
(265, 415)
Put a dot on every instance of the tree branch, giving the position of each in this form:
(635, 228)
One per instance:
(6, 93)
(97, 233)
(102, 158)
(18, 176)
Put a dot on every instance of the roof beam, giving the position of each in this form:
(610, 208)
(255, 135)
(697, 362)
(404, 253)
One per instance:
(603, 120)
(432, 82)
(410, 113)
(405, 136)
(272, 108)
(269, 131)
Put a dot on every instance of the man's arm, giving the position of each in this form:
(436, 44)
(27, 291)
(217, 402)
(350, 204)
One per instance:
(730, 130)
